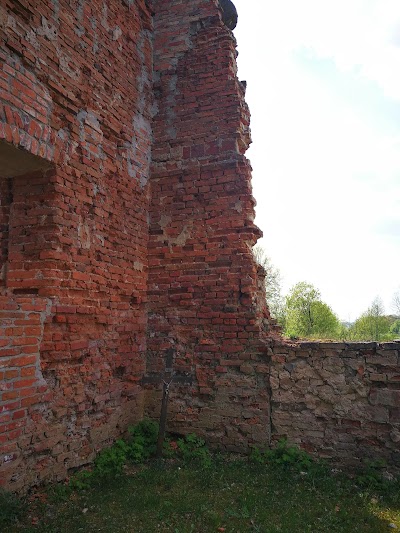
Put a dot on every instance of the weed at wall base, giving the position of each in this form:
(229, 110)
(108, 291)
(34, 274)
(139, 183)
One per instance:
(11, 509)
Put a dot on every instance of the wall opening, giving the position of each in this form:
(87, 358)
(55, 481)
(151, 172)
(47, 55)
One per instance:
(23, 190)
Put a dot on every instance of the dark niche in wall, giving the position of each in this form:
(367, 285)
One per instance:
(26, 222)
(16, 162)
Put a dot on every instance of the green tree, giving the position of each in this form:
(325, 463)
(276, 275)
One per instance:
(395, 328)
(396, 303)
(273, 291)
(372, 325)
(307, 315)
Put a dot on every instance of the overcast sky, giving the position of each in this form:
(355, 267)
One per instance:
(323, 86)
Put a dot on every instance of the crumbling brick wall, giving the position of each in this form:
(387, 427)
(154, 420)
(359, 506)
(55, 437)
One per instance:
(204, 302)
(78, 313)
(75, 140)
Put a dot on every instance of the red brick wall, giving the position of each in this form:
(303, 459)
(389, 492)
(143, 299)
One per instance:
(203, 283)
(24, 393)
(75, 90)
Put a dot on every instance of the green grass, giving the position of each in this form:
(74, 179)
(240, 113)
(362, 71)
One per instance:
(231, 495)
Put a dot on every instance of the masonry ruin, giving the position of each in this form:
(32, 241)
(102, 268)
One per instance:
(126, 233)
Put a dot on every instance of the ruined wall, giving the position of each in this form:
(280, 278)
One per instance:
(75, 139)
(126, 229)
(204, 303)
(339, 401)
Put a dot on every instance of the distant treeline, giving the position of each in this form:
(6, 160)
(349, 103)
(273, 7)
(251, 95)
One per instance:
(302, 313)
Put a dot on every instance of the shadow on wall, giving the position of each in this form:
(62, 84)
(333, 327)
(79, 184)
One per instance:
(16, 162)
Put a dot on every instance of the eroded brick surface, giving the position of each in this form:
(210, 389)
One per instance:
(203, 284)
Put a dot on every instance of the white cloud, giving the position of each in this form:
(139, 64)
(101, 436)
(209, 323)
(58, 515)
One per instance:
(326, 177)
(362, 35)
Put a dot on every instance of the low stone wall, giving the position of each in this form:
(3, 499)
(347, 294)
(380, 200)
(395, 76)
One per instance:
(338, 400)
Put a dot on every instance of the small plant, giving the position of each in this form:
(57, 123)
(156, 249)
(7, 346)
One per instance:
(11, 509)
(109, 463)
(257, 456)
(193, 448)
(58, 492)
(142, 442)
(372, 476)
(81, 480)
(283, 455)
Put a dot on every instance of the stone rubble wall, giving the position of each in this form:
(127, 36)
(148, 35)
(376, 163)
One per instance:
(338, 400)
